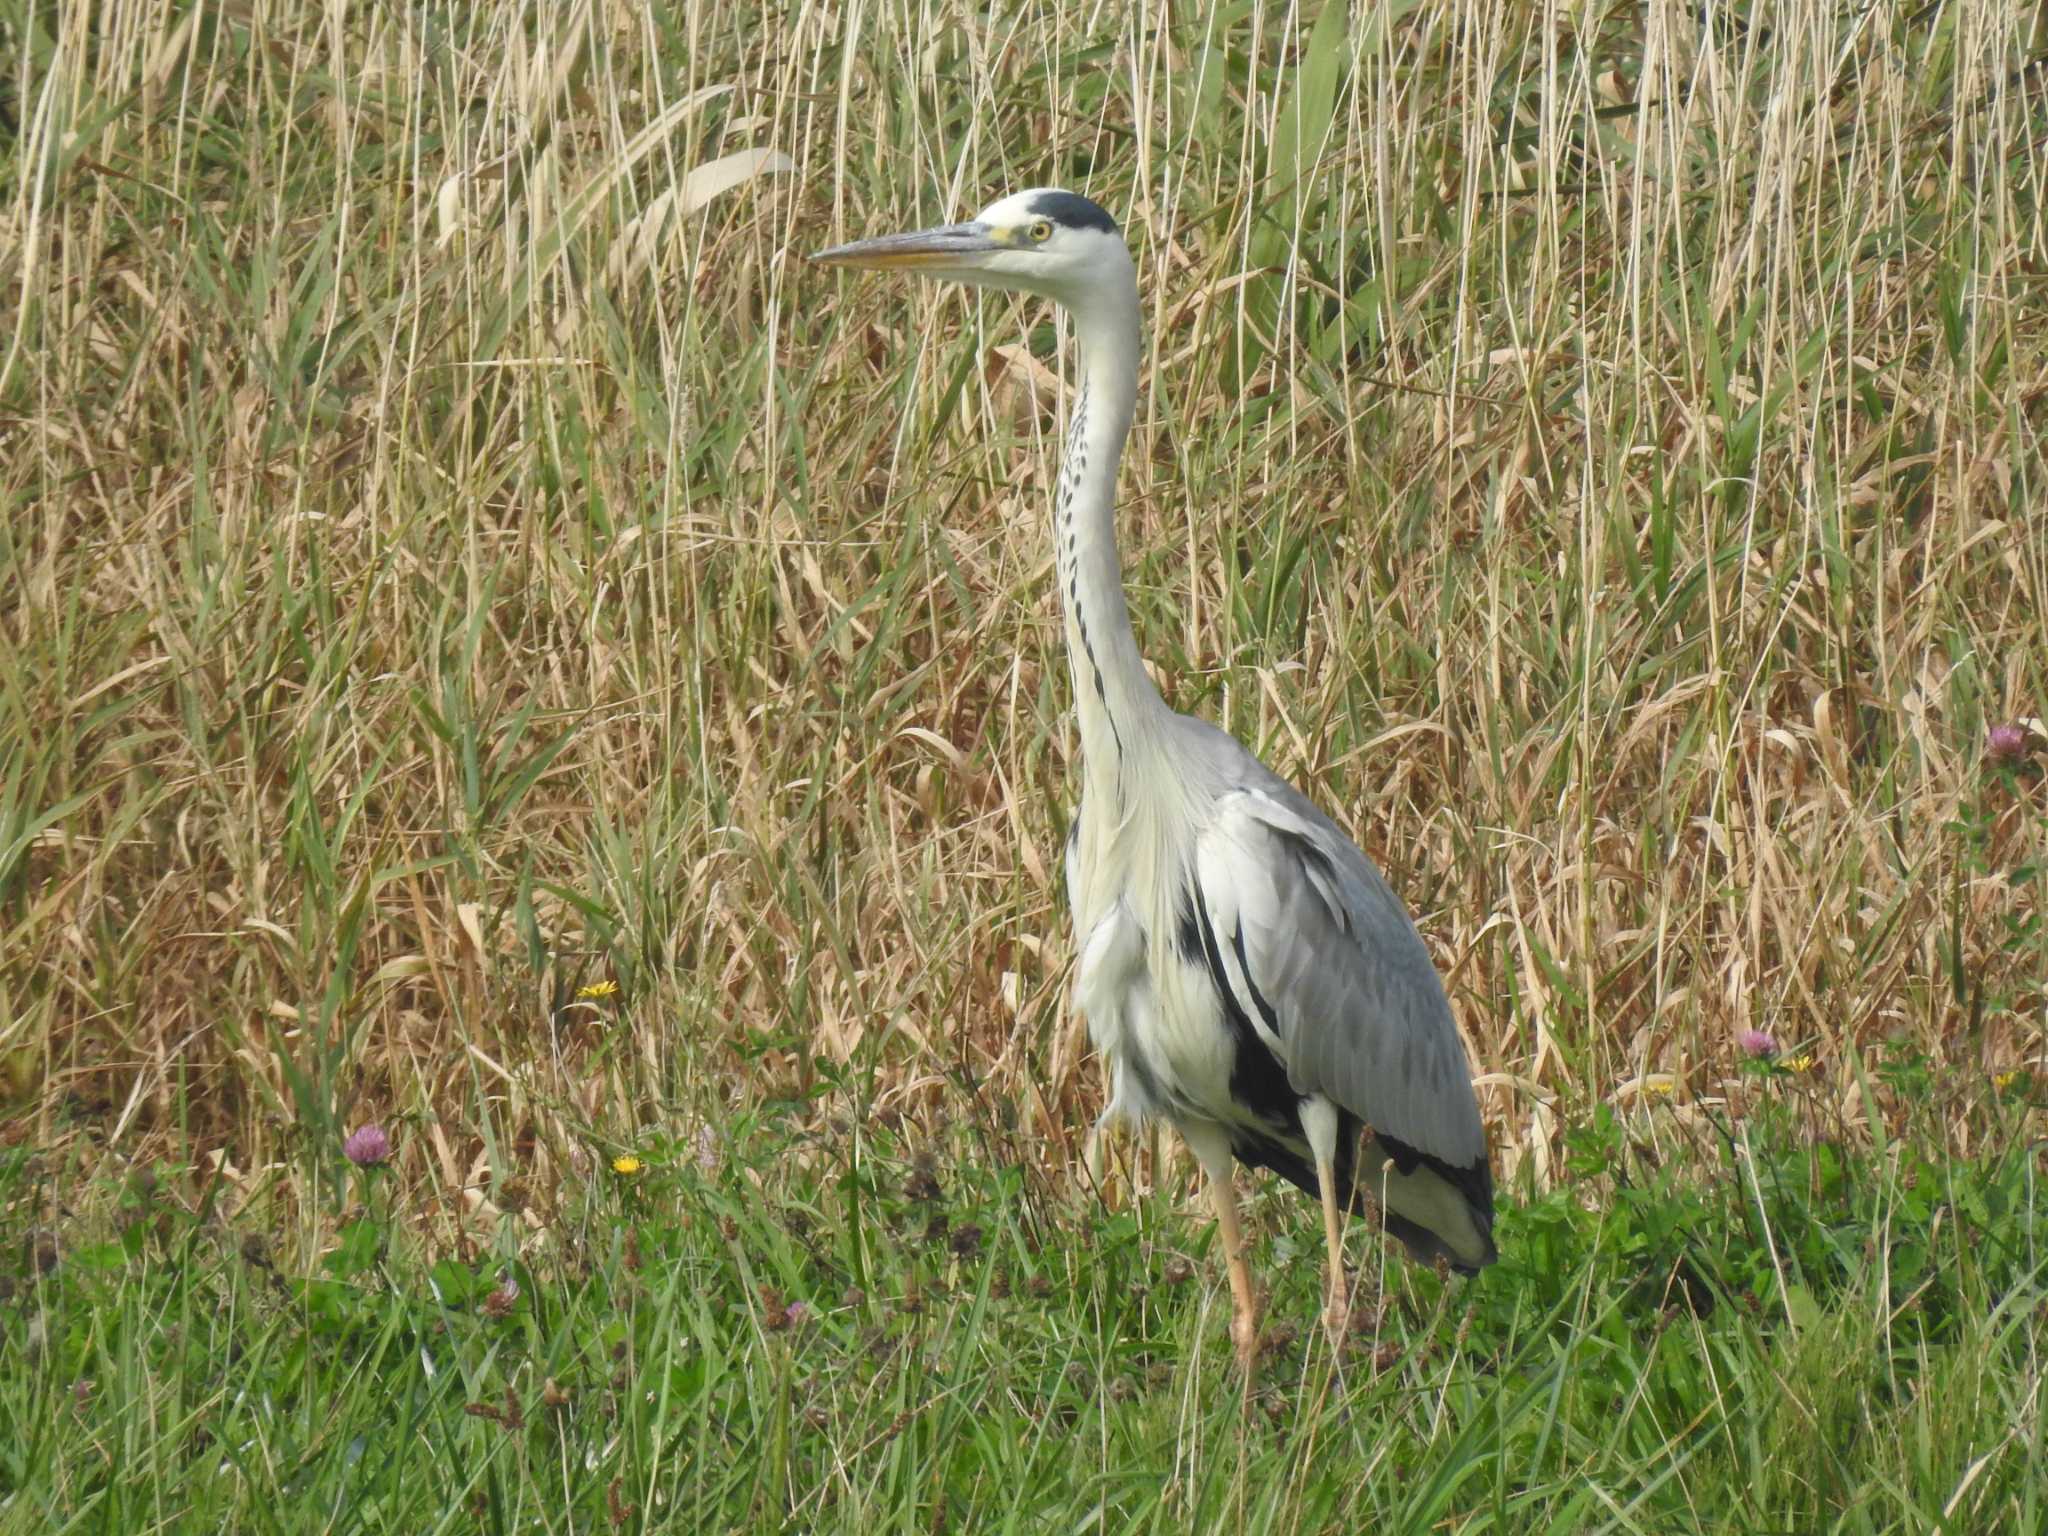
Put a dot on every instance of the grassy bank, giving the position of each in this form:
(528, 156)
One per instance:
(772, 1329)
(491, 643)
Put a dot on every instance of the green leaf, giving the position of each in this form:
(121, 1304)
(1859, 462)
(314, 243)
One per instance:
(98, 1257)
(357, 1251)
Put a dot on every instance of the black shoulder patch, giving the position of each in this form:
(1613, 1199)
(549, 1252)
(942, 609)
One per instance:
(1073, 211)
(1257, 1080)
(1187, 932)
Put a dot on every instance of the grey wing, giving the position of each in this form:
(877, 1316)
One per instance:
(1323, 960)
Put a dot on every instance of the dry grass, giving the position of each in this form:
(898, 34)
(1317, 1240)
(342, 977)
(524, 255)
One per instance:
(1599, 453)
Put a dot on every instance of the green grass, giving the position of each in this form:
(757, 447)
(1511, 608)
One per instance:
(451, 558)
(777, 1328)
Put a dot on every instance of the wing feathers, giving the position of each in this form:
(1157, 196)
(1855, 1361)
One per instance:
(1323, 958)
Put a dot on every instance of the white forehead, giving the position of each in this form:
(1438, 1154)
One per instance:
(1014, 209)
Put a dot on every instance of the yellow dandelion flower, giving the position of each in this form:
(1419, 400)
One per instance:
(1661, 1086)
(598, 989)
(1798, 1063)
(2004, 1079)
(626, 1165)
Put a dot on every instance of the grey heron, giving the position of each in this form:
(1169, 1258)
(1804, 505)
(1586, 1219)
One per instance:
(1243, 966)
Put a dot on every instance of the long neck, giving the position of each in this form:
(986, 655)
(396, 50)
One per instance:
(1119, 708)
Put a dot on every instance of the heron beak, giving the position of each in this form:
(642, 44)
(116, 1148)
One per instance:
(946, 248)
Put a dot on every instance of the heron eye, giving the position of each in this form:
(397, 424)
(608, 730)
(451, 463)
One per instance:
(1041, 230)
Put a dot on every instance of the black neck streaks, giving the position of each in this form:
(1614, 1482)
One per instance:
(1073, 471)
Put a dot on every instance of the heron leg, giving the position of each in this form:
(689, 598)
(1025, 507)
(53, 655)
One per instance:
(1244, 1306)
(1321, 1124)
(1212, 1151)
(1091, 1149)
(1337, 1301)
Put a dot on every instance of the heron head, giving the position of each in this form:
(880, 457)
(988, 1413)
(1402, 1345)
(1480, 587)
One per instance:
(1043, 241)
